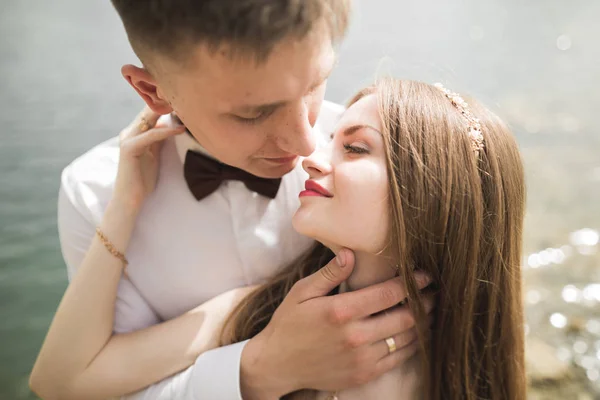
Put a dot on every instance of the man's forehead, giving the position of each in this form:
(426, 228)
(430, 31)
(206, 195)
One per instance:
(247, 104)
(242, 83)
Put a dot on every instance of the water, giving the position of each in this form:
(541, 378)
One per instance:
(61, 92)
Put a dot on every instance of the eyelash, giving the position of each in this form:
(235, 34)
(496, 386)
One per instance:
(251, 121)
(355, 149)
(255, 120)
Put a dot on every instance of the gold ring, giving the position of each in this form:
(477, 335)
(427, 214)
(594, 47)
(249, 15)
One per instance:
(391, 343)
(144, 125)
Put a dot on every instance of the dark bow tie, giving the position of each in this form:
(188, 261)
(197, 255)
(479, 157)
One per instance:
(204, 175)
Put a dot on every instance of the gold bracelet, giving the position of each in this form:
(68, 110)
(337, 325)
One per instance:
(109, 246)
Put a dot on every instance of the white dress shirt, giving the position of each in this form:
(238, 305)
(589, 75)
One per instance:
(184, 252)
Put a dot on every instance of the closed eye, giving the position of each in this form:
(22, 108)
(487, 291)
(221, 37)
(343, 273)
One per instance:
(252, 120)
(355, 149)
(256, 118)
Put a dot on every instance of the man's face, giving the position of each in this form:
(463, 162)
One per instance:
(257, 117)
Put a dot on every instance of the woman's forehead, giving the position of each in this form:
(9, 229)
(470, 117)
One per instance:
(364, 112)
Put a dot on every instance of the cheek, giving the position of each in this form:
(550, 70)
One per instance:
(363, 196)
(228, 141)
(362, 183)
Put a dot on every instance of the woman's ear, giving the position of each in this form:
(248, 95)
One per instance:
(145, 84)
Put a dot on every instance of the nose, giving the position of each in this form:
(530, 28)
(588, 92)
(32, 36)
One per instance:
(317, 164)
(297, 135)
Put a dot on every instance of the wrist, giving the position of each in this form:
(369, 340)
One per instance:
(128, 208)
(118, 223)
(260, 379)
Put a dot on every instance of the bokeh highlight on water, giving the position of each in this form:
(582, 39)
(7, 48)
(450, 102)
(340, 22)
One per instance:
(534, 62)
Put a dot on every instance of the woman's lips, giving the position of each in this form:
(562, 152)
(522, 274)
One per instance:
(312, 188)
(308, 193)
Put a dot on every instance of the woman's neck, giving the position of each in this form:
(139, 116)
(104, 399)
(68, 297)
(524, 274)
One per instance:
(369, 269)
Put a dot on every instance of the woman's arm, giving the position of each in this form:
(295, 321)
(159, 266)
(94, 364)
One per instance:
(80, 357)
(132, 361)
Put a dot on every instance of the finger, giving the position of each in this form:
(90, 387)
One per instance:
(398, 357)
(429, 301)
(169, 122)
(327, 278)
(422, 278)
(373, 299)
(155, 148)
(395, 321)
(376, 298)
(143, 122)
(392, 322)
(401, 340)
(147, 116)
(139, 144)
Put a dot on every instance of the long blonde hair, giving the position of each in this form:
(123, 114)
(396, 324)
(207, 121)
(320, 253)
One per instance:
(458, 216)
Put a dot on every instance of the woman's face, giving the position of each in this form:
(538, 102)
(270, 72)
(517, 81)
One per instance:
(345, 203)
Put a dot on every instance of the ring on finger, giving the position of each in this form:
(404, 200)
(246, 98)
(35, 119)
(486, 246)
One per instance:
(391, 343)
(144, 125)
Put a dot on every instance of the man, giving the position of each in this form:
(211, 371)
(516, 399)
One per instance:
(247, 78)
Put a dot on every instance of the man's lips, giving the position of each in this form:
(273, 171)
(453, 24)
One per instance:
(314, 189)
(281, 160)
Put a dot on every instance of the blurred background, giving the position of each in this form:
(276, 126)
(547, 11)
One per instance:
(533, 62)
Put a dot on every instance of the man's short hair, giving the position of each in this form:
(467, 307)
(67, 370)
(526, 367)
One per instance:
(246, 27)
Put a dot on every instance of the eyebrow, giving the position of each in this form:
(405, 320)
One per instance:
(354, 128)
(263, 108)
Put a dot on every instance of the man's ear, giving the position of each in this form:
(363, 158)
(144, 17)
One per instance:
(145, 84)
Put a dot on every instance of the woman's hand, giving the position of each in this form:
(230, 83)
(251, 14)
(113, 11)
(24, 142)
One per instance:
(140, 145)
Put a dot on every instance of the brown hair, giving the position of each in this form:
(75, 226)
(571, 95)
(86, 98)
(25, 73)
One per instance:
(456, 215)
(248, 27)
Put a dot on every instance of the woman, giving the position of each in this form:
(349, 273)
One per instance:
(416, 178)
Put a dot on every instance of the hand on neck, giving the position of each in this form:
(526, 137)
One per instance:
(369, 269)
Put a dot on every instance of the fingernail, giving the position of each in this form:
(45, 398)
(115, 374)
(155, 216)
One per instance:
(341, 258)
(422, 277)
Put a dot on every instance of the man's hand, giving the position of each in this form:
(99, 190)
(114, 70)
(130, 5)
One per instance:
(324, 342)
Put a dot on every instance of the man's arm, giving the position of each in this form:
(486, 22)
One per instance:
(214, 376)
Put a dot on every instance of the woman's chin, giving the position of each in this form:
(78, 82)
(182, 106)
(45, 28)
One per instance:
(306, 226)
(301, 225)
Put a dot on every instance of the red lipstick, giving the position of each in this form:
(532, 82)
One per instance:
(314, 189)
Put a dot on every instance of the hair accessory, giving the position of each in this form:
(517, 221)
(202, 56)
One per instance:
(463, 107)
